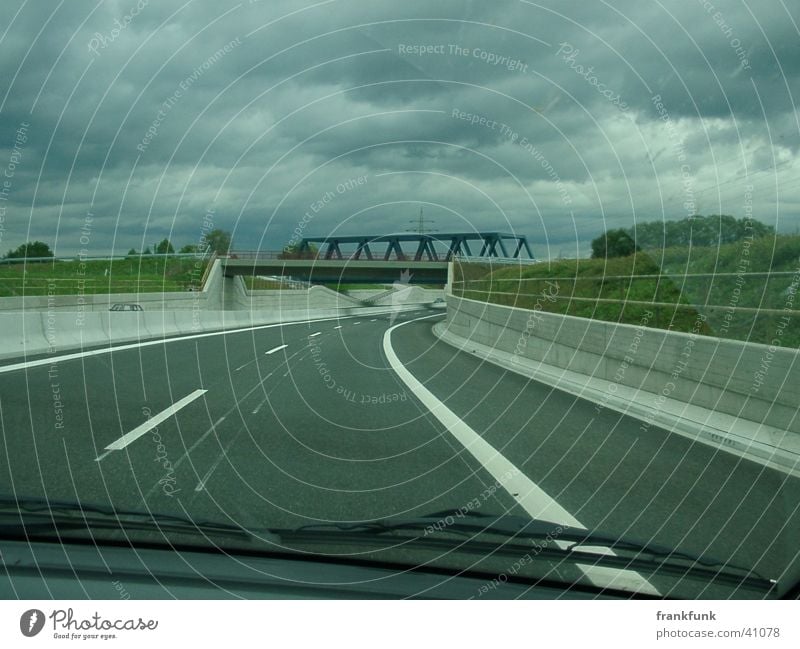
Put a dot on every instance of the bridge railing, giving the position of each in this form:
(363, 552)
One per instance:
(269, 255)
(474, 259)
(11, 261)
(263, 254)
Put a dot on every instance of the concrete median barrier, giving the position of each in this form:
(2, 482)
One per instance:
(42, 332)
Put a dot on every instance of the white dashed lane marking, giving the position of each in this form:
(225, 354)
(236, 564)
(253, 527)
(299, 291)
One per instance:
(276, 349)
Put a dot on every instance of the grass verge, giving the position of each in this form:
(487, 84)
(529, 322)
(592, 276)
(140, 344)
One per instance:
(737, 301)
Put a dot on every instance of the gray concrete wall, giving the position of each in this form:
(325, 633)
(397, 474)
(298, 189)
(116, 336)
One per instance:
(410, 295)
(37, 332)
(366, 293)
(315, 297)
(755, 382)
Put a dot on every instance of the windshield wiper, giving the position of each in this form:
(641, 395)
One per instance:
(561, 540)
(508, 525)
(35, 516)
(41, 515)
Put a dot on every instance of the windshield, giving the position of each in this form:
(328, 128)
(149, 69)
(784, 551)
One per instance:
(506, 289)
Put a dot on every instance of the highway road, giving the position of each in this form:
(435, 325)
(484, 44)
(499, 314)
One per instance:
(360, 418)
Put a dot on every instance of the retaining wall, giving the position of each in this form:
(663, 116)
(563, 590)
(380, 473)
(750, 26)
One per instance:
(37, 332)
(756, 382)
(411, 294)
(241, 298)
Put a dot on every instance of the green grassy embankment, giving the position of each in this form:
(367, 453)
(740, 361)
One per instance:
(128, 275)
(652, 276)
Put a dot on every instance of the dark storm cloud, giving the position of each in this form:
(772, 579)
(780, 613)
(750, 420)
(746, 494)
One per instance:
(556, 119)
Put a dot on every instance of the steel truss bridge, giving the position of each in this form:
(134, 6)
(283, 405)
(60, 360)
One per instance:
(492, 244)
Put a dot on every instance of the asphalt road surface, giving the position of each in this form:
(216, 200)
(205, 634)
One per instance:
(286, 425)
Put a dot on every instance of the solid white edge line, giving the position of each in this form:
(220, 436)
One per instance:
(532, 499)
(152, 422)
(528, 494)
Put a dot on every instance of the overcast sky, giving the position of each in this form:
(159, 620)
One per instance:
(551, 119)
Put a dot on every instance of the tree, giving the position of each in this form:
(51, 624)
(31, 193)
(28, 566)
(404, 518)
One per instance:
(613, 243)
(146, 251)
(132, 253)
(697, 230)
(293, 252)
(218, 241)
(188, 248)
(30, 249)
(164, 248)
